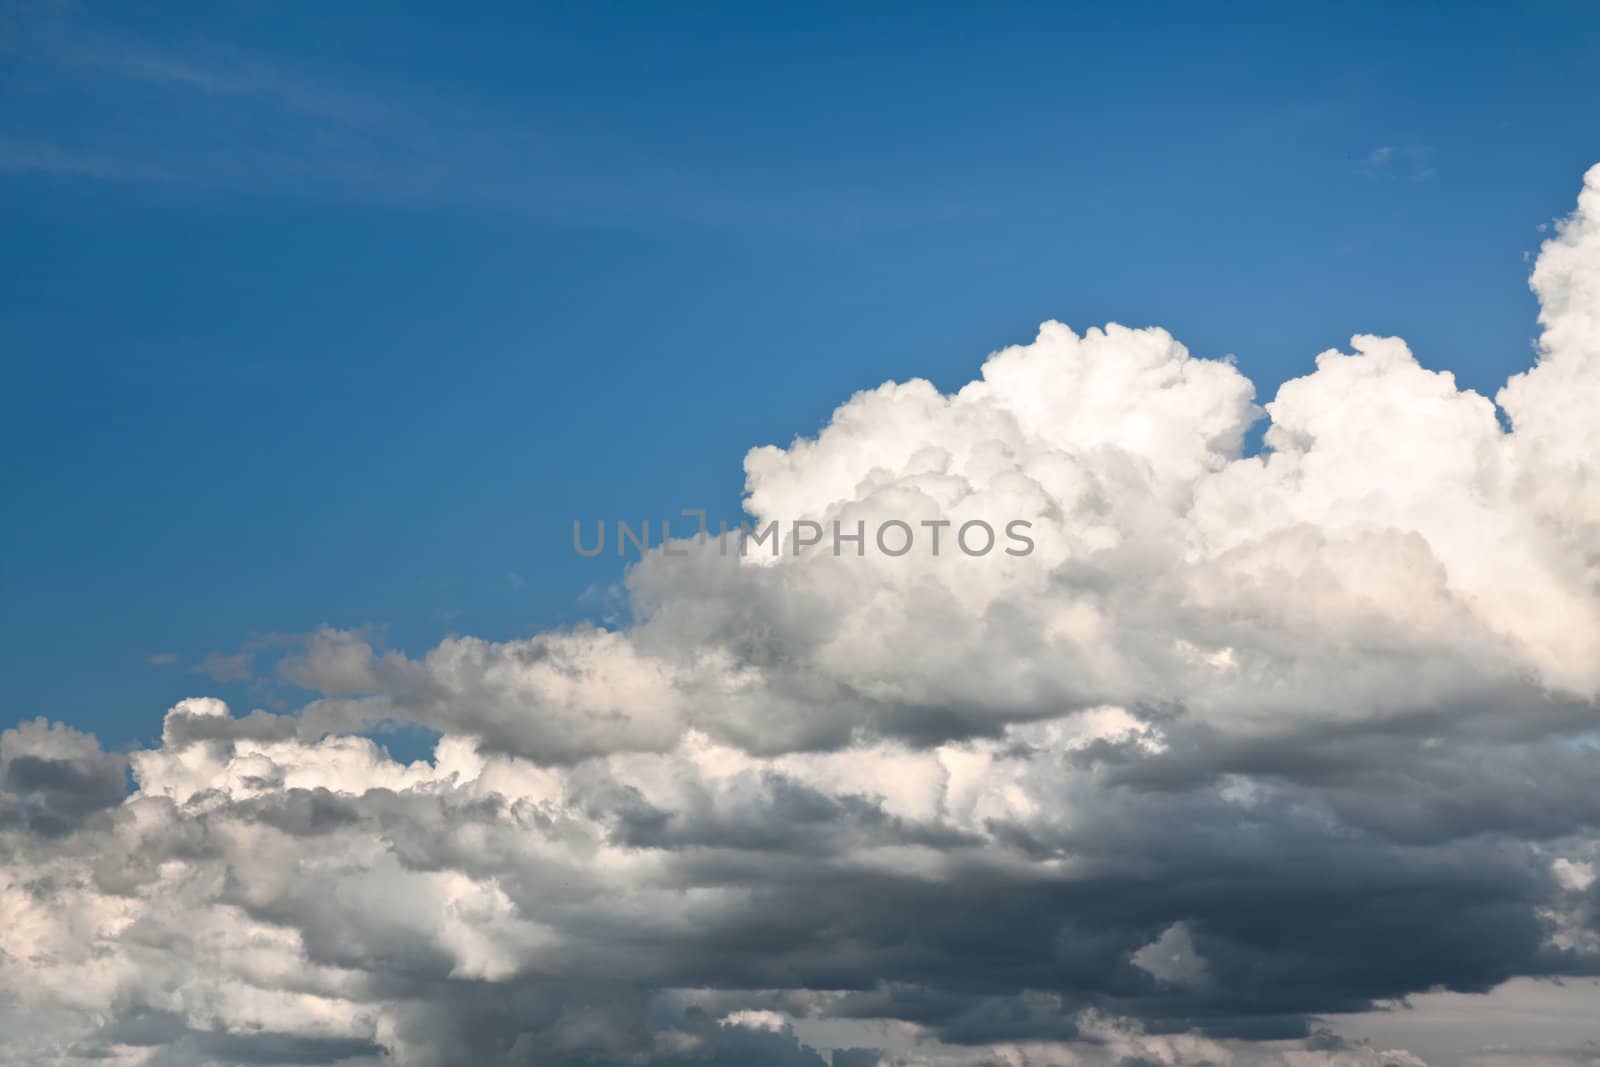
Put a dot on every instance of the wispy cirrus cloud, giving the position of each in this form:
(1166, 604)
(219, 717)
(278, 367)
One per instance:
(1407, 158)
(90, 104)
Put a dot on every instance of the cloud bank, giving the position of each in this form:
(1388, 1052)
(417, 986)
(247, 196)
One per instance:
(1246, 743)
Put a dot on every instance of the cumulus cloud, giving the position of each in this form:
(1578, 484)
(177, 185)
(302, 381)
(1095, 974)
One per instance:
(55, 778)
(1247, 743)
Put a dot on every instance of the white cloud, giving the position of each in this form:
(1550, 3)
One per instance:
(1245, 741)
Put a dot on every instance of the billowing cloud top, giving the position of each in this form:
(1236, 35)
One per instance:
(1244, 742)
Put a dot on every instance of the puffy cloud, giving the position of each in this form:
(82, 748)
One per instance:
(1246, 742)
(55, 778)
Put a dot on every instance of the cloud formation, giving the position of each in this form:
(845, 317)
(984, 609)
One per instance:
(1246, 743)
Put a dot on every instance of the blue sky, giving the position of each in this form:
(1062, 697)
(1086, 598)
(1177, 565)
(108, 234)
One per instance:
(315, 320)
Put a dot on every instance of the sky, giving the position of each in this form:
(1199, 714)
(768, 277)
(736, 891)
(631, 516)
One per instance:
(1279, 325)
(342, 319)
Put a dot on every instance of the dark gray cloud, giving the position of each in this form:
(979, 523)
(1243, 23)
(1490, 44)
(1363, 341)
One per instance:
(472, 907)
(55, 778)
